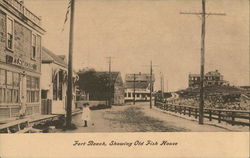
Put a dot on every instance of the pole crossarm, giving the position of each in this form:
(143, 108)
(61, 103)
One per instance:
(202, 15)
(198, 13)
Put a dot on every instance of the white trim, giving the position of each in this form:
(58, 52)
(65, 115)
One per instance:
(7, 30)
(8, 13)
(33, 58)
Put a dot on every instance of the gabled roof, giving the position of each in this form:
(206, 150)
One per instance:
(105, 74)
(49, 57)
(138, 85)
(139, 77)
(210, 73)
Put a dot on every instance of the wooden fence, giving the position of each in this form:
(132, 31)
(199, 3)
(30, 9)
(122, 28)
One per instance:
(233, 117)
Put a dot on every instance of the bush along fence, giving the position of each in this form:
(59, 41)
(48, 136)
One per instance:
(233, 117)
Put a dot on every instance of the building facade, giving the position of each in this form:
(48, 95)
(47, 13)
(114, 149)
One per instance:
(212, 78)
(140, 83)
(96, 85)
(20, 60)
(54, 82)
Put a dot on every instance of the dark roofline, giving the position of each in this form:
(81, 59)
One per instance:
(54, 58)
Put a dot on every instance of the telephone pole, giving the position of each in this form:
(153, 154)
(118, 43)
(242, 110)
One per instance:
(162, 85)
(167, 86)
(151, 82)
(70, 72)
(134, 90)
(109, 87)
(202, 60)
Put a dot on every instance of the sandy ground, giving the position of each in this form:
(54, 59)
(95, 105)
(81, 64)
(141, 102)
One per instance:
(140, 118)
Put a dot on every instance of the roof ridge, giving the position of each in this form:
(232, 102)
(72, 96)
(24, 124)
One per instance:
(55, 58)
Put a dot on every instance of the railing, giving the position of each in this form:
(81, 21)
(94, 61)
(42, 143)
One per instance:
(26, 12)
(233, 117)
(9, 111)
(12, 110)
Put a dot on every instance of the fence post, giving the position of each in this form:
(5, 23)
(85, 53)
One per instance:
(219, 117)
(233, 118)
(189, 111)
(195, 112)
(210, 115)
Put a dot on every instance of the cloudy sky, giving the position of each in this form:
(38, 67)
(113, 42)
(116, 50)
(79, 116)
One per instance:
(137, 31)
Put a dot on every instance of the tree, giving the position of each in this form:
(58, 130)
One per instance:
(96, 84)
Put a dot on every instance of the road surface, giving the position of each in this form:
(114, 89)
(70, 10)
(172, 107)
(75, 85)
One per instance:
(139, 118)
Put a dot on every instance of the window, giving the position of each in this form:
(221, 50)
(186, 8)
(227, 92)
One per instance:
(38, 45)
(33, 91)
(9, 86)
(2, 85)
(125, 95)
(34, 47)
(10, 30)
(44, 94)
(55, 89)
(129, 95)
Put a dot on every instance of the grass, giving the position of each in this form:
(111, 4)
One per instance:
(134, 120)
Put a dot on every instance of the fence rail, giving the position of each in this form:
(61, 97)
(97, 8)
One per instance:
(233, 117)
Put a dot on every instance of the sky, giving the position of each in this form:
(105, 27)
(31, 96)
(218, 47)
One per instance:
(134, 32)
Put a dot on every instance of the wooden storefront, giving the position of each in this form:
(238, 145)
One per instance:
(20, 61)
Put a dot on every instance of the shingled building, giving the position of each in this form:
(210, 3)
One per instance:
(20, 60)
(140, 83)
(96, 84)
(212, 78)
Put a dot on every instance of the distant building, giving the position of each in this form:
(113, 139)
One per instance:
(212, 78)
(141, 83)
(96, 85)
(54, 81)
(20, 60)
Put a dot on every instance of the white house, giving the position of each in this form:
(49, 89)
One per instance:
(54, 81)
(140, 83)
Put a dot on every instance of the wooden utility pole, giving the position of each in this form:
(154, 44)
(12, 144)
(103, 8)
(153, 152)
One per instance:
(110, 78)
(167, 86)
(70, 69)
(162, 85)
(151, 82)
(202, 60)
(134, 89)
(203, 26)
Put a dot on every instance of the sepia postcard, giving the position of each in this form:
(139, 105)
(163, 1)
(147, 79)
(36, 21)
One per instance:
(124, 78)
